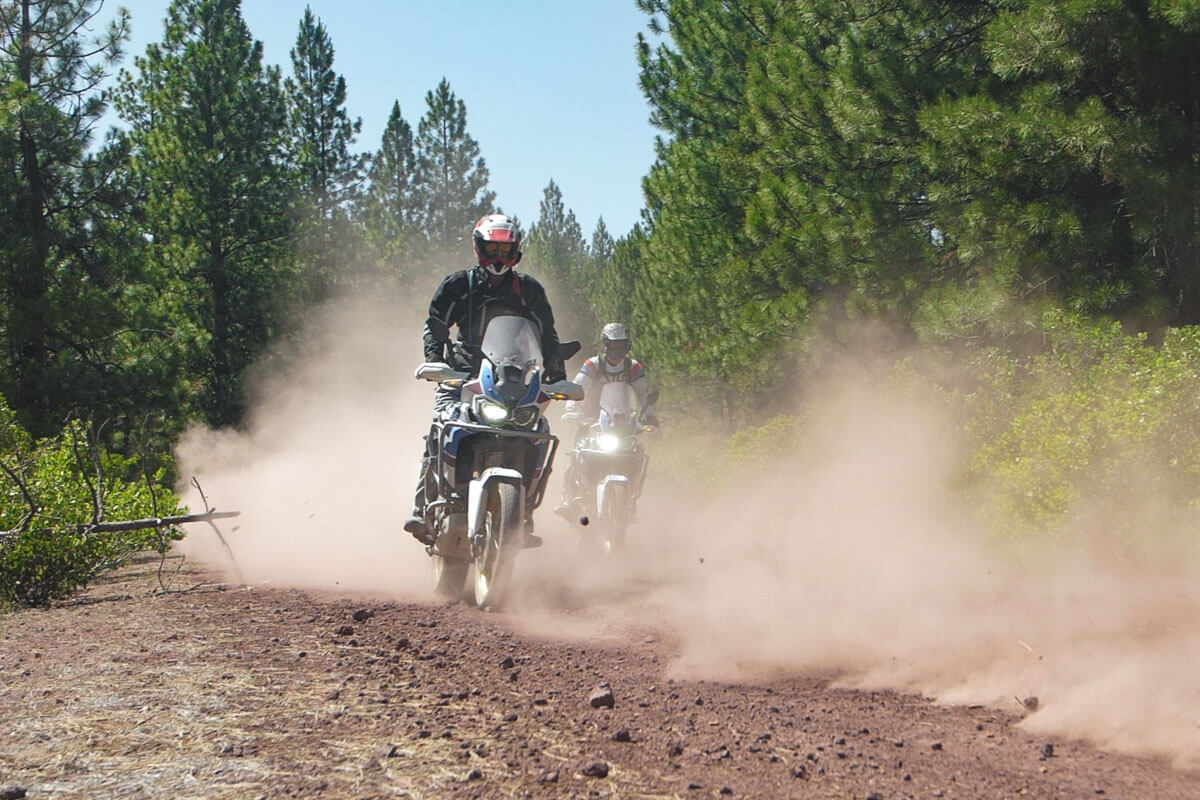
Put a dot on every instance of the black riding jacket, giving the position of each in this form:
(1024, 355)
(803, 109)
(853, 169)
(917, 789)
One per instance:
(467, 299)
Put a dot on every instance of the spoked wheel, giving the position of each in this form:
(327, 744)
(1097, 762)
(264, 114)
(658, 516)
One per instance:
(494, 561)
(450, 577)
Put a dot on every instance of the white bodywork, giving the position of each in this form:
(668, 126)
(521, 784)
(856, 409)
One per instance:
(602, 492)
(477, 491)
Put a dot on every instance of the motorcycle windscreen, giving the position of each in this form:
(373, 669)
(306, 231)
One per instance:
(512, 342)
(618, 399)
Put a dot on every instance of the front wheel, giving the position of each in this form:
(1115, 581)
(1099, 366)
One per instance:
(501, 540)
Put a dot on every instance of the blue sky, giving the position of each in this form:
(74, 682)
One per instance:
(550, 86)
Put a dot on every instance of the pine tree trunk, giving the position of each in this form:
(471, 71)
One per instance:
(28, 325)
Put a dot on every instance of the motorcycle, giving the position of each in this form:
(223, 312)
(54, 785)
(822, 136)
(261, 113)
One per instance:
(492, 455)
(608, 468)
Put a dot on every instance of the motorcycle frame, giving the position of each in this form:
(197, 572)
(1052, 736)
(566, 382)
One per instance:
(444, 487)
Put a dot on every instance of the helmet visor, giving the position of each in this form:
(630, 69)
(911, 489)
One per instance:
(498, 249)
(615, 349)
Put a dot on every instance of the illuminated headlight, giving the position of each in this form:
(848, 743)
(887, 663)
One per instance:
(493, 412)
(608, 442)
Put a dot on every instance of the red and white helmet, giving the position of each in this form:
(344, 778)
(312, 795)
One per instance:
(497, 241)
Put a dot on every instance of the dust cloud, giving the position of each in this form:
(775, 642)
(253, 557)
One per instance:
(856, 558)
(324, 471)
(859, 560)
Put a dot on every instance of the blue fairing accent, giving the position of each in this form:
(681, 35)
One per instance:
(487, 379)
(535, 388)
(453, 438)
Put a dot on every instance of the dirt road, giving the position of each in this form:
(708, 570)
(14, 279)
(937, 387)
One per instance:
(233, 692)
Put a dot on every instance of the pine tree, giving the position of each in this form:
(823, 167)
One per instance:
(556, 254)
(1073, 169)
(322, 135)
(697, 252)
(791, 185)
(322, 131)
(555, 242)
(208, 126)
(57, 202)
(390, 210)
(451, 176)
(601, 248)
(616, 289)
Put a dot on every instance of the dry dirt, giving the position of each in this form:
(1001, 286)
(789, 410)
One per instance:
(224, 691)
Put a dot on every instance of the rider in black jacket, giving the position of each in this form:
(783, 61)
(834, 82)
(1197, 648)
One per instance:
(466, 300)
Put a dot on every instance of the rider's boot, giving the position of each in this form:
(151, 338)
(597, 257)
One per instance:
(419, 528)
(531, 538)
(416, 524)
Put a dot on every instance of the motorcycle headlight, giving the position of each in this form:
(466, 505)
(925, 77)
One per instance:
(608, 442)
(493, 412)
(525, 417)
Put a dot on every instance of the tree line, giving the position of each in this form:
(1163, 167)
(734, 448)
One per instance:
(144, 272)
(939, 165)
(145, 268)
(1007, 186)
(1004, 179)
(950, 167)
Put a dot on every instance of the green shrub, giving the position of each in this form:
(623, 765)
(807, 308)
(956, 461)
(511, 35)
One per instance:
(776, 439)
(1095, 421)
(1097, 417)
(49, 556)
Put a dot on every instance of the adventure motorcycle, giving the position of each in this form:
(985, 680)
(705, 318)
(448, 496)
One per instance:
(492, 455)
(608, 468)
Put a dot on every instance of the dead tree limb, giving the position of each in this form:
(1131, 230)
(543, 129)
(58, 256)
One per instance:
(96, 489)
(153, 522)
(23, 525)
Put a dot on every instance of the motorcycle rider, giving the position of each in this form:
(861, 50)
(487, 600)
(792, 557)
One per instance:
(612, 364)
(467, 299)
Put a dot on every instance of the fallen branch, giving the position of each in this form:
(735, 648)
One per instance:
(153, 522)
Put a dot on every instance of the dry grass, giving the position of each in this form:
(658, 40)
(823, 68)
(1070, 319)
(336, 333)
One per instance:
(131, 694)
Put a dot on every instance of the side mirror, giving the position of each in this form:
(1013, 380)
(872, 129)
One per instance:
(563, 390)
(568, 349)
(438, 372)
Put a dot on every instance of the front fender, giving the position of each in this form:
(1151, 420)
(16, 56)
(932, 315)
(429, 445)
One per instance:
(602, 491)
(478, 488)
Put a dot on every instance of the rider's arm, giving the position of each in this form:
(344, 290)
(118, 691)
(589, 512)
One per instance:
(444, 308)
(641, 389)
(539, 309)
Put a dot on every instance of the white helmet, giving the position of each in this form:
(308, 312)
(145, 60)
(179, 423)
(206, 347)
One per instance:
(615, 341)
